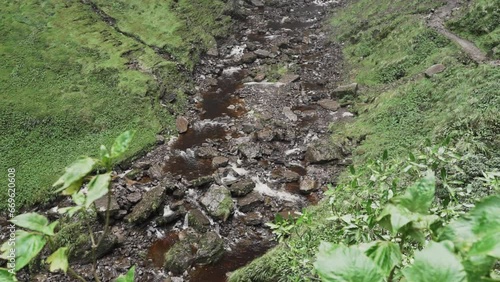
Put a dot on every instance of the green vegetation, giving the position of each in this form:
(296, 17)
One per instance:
(401, 114)
(70, 81)
(480, 23)
(26, 246)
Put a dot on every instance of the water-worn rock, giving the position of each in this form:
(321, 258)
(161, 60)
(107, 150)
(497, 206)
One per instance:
(289, 78)
(259, 77)
(134, 197)
(206, 152)
(263, 53)
(289, 114)
(250, 151)
(322, 151)
(329, 104)
(308, 185)
(290, 176)
(342, 91)
(182, 124)
(435, 69)
(250, 201)
(194, 248)
(198, 221)
(252, 218)
(219, 162)
(266, 135)
(150, 202)
(218, 202)
(202, 180)
(82, 252)
(257, 3)
(248, 58)
(102, 203)
(242, 188)
(168, 217)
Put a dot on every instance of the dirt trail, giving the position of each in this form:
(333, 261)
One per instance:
(437, 21)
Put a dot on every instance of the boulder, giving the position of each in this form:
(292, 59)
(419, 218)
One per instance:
(329, 104)
(289, 114)
(252, 218)
(218, 202)
(250, 150)
(250, 201)
(101, 206)
(194, 248)
(219, 162)
(323, 151)
(289, 78)
(206, 152)
(242, 187)
(248, 58)
(198, 221)
(263, 53)
(151, 201)
(182, 124)
(210, 248)
(308, 185)
(342, 91)
(435, 69)
(202, 180)
(266, 135)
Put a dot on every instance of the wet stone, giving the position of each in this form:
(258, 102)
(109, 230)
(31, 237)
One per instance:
(201, 181)
(219, 162)
(322, 151)
(289, 114)
(134, 197)
(149, 204)
(168, 217)
(266, 135)
(250, 201)
(289, 78)
(308, 185)
(329, 104)
(250, 151)
(342, 91)
(101, 205)
(241, 188)
(182, 124)
(198, 221)
(248, 58)
(206, 152)
(259, 77)
(257, 3)
(252, 218)
(218, 202)
(290, 176)
(263, 53)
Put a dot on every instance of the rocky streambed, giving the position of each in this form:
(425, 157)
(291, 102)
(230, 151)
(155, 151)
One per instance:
(254, 143)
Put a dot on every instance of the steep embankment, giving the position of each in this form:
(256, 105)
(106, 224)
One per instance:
(403, 101)
(76, 74)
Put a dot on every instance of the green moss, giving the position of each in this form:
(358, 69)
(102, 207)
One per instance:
(70, 82)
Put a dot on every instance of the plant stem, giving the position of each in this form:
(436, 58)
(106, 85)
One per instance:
(75, 275)
(94, 247)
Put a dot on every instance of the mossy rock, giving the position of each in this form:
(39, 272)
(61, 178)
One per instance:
(149, 204)
(218, 202)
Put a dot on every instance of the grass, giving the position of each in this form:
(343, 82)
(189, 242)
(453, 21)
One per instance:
(70, 82)
(387, 48)
(480, 23)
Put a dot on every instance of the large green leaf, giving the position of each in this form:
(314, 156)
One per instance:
(75, 172)
(488, 245)
(338, 263)
(395, 217)
(59, 260)
(6, 276)
(435, 263)
(418, 198)
(129, 277)
(27, 246)
(98, 187)
(386, 255)
(486, 216)
(478, 267)
(121, 143)
(35, 222)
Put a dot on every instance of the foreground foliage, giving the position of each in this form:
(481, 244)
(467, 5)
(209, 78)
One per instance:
(40, 233)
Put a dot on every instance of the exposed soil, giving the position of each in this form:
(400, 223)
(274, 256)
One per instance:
(247, 123)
